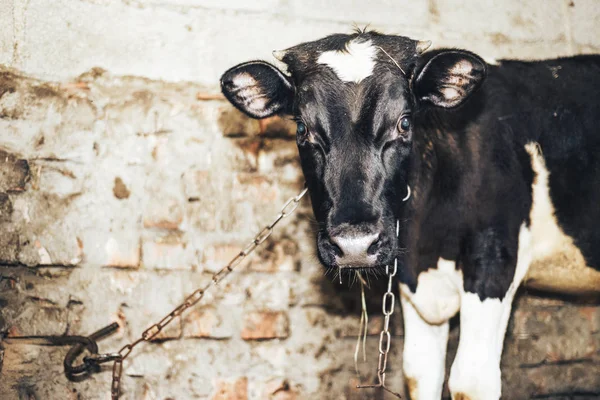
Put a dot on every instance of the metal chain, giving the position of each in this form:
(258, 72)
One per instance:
(385, 337)
(190, 300)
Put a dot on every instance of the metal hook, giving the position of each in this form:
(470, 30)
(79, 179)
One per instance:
(77, 373)
(54, 341)
(78, 345)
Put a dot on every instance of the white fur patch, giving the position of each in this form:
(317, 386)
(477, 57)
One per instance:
(424, 356)
(244, 79)
(354, 64)
(549, 238)
(249, 92)
(463, 67)
(437, 298)
(426, 313)
(476, 369)
(558, 264)
(450, 93)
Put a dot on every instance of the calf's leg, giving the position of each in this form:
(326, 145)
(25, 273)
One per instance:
(424, 354)
(426, 313)
(493, 270)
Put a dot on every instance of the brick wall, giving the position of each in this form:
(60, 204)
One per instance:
(124, 186)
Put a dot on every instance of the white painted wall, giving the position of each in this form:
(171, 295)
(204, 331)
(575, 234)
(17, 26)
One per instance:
(196, 40)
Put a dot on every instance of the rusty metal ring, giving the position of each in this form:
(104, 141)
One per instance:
(77, 373)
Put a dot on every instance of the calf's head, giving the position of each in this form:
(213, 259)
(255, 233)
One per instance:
(355, 99)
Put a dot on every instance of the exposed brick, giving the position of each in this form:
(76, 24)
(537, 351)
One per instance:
(195, 183)
(256, 187)
(575, 378)
(9, 245)
(352, 329)
(267, 292)
(168, 252)
(207, 210)
(8, 82)
(203, 216)
(276, 156)
(147, 392)
(276, 255)
(152, 295)
(251, 149)
(14, 172)
(279, 127)
(61, 180)
(550, 336)
(262, 325)
(120, 255)
(44, 256)
(6, 207)
(172, 331)
(207, 323)
(540, 302)
(591, 314)
(217, 256)
(279, 389)
(231, 389)
(234, 123)
(166, 214)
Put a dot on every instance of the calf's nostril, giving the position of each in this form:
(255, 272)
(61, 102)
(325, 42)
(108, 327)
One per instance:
(336, 249)
(374, 247)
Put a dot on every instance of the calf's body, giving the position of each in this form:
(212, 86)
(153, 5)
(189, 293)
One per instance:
(492, 170)
(512, 179)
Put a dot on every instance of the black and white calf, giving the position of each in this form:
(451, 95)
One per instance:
(501, 163)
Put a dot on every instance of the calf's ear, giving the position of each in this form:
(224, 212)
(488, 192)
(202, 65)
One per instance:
(258, 89)
(449, 78)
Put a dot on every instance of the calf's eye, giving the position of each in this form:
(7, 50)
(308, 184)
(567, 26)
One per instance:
(404, 124)
(301, 128)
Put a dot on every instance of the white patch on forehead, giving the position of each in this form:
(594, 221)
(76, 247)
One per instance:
(354, 64)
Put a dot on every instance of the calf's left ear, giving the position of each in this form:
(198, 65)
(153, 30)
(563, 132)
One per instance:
(258, 89)
(449, 78)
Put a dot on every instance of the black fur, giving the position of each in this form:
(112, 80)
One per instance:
(464, 156)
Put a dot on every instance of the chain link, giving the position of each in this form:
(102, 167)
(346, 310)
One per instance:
(385, 337)
(288, 208)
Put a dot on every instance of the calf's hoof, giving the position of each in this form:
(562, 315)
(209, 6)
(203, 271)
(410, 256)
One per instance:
(412, 388)
(460, 396)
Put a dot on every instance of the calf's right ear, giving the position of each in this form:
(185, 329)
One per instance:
(258, 89)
